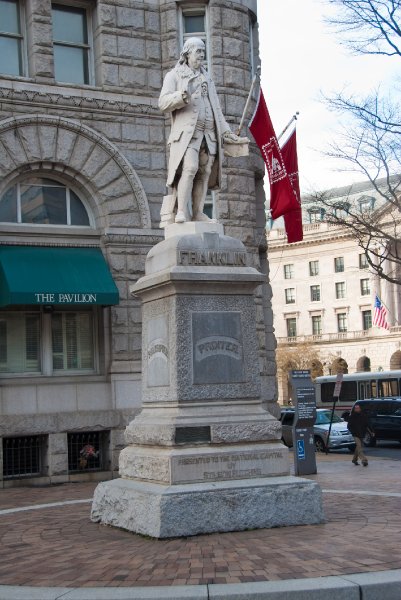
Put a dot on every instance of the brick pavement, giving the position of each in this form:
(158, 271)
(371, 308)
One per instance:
(59, 546)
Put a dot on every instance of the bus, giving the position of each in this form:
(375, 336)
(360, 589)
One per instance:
(358, 386)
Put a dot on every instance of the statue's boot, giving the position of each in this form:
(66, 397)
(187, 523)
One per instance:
(180, 217)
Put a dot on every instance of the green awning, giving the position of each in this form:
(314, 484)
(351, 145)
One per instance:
(44, 275)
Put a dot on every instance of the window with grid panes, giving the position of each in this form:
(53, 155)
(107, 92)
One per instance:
(291, 327)
(290, 295)
(316, 325)
(11, 38)
(71, 44)
(363, 261)
(339, 264)
(342, 322)
(366, 319)
(288, 271)
(365, 287)
(42, 201)
(315, 293)
(194, 25)
(340, 289)
(313, 268)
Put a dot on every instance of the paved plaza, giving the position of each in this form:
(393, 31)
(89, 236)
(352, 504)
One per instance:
(47, 539)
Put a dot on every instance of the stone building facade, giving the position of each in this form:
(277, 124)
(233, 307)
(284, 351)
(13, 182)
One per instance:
(79, 122)
(323, 294)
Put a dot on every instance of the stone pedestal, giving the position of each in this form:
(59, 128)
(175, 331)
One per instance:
(203, 454)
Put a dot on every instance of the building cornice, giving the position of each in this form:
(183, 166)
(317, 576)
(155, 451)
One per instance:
(324, 232)
(76, 99)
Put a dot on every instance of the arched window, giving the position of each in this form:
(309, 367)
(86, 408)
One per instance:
(42, 201)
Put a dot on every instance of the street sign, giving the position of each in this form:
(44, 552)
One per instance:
(337, 387)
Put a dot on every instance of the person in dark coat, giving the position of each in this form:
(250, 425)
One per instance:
(358, 425)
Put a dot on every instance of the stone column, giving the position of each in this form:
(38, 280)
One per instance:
(58, 457)
(204, 454)
(40, 40)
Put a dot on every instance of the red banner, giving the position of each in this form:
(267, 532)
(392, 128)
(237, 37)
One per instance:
(293, 219)
(282, 196)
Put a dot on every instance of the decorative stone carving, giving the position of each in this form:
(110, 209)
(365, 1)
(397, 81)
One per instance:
(30, 139)
(38, 98)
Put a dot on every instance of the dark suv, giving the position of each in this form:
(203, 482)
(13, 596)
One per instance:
(384, 416)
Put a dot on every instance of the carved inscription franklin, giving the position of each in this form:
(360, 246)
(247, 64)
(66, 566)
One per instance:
(215, 258)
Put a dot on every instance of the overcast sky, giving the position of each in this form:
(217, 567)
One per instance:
(301, 58)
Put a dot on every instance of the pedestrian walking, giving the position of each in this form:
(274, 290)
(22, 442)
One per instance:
(358, 425)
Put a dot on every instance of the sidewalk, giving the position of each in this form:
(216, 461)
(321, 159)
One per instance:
(59, 546)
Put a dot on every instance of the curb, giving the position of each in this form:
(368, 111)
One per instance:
(369, 586)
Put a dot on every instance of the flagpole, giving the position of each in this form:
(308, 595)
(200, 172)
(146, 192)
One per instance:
(254, 80)
(293, 118)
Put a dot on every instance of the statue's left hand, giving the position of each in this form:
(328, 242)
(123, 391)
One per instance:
(229, 135)
(233, 138)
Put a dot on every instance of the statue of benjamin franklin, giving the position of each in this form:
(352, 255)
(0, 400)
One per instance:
(198, 131)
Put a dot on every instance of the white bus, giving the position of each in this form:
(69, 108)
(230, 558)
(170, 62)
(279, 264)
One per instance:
(358, 386)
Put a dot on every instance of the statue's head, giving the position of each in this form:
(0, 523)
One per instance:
(193, 52)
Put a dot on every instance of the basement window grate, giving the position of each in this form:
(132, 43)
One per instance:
(86, 451)
(23, 456)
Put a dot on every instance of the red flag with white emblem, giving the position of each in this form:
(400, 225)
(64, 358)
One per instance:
(293, 219)
(282, 196)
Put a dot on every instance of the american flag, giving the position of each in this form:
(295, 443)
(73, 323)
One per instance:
(380, 314)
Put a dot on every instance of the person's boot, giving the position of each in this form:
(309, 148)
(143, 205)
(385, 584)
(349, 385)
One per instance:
(365, 463)
(355, 462)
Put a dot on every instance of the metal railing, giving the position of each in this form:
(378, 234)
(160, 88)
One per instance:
(334, 337)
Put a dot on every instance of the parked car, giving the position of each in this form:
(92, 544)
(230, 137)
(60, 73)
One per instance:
(384, 416)
(340, 437)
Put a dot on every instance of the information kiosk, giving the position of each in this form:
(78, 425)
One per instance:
(304, 398)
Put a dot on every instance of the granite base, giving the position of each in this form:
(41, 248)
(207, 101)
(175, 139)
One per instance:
(184, 510)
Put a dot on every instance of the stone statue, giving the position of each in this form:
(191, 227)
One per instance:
(198, 132)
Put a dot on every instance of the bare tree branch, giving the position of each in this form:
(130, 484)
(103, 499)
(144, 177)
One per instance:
(370, 140)
(368, 26)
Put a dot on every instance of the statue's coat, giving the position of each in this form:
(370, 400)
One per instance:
(184, 117)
